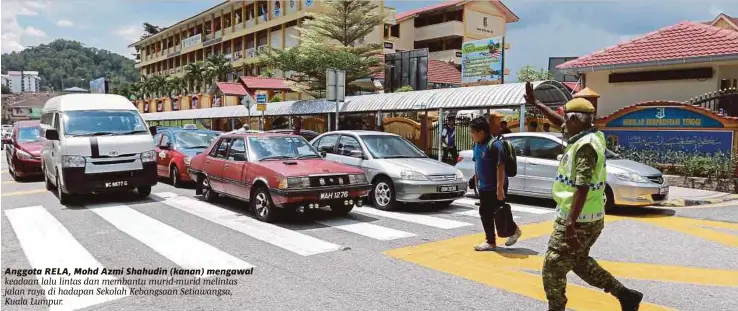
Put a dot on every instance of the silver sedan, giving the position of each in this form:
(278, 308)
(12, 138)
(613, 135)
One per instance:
(398, 170)
(629, 183)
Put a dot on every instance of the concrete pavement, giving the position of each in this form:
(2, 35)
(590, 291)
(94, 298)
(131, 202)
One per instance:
(419, 258)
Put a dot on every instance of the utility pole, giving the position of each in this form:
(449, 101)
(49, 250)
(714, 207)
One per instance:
(336, 89)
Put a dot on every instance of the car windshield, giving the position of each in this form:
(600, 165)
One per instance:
(186, 140)
(103, 122)
(389, 147)
(282, 147)
(28, 134)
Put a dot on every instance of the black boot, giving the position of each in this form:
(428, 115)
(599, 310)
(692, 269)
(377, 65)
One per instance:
(630, 299)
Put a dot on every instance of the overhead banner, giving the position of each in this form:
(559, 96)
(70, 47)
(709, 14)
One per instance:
(481, 61)
(191, 41)
(99, 86)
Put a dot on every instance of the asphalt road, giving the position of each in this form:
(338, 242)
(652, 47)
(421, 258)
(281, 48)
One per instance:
(419, 258)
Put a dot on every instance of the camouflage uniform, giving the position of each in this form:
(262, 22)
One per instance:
(560, 259)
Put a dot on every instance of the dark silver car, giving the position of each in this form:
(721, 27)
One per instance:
(399, 171)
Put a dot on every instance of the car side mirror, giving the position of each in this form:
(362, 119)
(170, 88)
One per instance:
(51, 134)
(356, 154)
(559, 157)
(166, 147)
(323, 153)
(152, 129)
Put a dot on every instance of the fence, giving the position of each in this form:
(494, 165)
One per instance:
(724, 102)
(463, 139)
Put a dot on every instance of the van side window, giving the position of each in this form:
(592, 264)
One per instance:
(47, 118)
(57, 122)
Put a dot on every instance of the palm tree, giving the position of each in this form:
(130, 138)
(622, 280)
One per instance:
(176, 85)
(217, 67)
(158, 85)
(194, 73)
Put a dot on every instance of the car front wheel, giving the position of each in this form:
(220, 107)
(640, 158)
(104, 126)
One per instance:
(383, 194)
(261, 203)
(174, 176)
(64, 197)
(144, 191)
(207, 190)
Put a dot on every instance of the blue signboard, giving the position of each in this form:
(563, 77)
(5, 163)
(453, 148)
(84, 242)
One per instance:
(704, 142)
(261, 98)
(674, 117)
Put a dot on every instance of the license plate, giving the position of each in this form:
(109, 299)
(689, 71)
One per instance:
(446, 188)
(334, 195)
(114, 184)
(664, 190)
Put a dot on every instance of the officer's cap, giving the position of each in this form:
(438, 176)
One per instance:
(579, 105)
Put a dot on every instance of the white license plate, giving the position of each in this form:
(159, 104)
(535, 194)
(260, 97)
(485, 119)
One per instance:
(334, 195)
(446, 188)
(664, 190)
(114, 184)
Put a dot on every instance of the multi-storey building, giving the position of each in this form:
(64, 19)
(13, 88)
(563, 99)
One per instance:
(22, 81)
(444, 27)
(240, 29)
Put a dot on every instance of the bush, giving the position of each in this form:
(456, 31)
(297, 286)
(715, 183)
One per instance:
(715, 167)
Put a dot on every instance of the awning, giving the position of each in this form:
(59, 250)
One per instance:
(273, 109)
(312, 107)
(231, 88)
(264, 83)
(206, 113)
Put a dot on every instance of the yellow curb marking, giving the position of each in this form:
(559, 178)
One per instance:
(9, 194)
(511, 271)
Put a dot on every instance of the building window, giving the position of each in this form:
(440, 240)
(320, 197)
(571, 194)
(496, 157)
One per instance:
(395, 31)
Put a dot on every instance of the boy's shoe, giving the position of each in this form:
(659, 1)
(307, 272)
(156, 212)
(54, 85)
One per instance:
(630, 300)
(514, 238)
(485, 247)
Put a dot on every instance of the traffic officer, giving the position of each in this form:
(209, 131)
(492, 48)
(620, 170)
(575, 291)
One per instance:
(579, 191)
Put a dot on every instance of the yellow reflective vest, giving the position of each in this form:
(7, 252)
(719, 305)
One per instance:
(563, 187)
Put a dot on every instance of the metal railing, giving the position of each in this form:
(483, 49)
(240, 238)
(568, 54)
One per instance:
(723, 102)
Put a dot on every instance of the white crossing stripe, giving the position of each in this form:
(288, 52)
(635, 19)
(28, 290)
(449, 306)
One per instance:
(292, 241)
(182, 249)
(469, 212)
(515, 207)
(426, 220)
(47, 244)
(366, 229)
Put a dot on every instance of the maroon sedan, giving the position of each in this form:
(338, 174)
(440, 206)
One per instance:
(274, 173)
(23, 149)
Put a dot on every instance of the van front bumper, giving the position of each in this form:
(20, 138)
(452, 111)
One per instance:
(79, 182)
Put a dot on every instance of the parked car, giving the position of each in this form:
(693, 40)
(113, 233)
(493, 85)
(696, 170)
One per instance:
(398, 170)
(307, 134)
(175, 148)
(23, 149)
(274, 173)
(629, 183)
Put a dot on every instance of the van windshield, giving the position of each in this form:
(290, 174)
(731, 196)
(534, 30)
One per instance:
(103, 122)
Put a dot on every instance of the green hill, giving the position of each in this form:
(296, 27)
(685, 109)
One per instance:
(71, 63)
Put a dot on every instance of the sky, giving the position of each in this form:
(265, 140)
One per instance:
(547, 28)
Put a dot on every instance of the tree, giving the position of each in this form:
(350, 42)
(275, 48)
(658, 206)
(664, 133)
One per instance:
(332, 39)
(150, 30)
(5, 89)
(195, 74)
(216, 68)
(528, 74)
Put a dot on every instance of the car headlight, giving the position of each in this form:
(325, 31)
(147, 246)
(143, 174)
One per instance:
(73, 161)
(632, 177)
(283, 183)
(412, 175)
(22, 154)
(459, 174)
(148, 156)
(357, 179)
(187, 161)
(298, 182)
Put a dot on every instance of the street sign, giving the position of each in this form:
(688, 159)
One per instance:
(261, 98)
(261, 107)
(335, 85)
(246, 101)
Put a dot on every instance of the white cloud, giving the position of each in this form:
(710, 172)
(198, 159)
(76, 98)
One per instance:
(130, 33)
(34, 32)
(64, 23)
(12, 31)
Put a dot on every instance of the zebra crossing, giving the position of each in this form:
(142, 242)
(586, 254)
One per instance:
(46, 242)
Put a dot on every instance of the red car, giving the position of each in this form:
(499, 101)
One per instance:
(23, 149)
(175, 147)
(274, 173)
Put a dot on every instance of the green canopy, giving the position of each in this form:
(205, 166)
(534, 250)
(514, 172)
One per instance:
(35, 113)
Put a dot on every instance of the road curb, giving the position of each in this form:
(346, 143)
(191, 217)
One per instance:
(697, 202)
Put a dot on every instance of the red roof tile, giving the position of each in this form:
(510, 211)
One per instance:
(264, 83)
(574, 86)
(683, 40)
(438, 72)
(231, 88)
(511, 17)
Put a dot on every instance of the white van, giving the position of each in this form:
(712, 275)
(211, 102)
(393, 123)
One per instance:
(96, 143)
